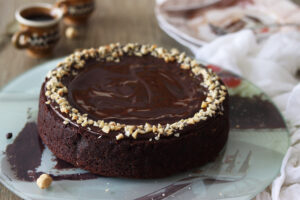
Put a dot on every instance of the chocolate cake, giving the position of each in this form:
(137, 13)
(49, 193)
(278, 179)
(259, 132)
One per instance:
(133, 110)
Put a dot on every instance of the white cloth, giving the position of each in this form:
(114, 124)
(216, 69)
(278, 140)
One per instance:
(272, 65)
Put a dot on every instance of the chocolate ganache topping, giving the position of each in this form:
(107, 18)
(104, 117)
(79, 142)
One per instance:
(136, 90)
(133, 89)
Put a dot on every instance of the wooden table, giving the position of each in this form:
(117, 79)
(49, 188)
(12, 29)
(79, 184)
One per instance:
(113, 21)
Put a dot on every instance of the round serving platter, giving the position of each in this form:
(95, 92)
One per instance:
(257, 143)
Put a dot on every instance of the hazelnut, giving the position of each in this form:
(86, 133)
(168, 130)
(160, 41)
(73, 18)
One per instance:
(71, 33)
(204, 104)
(190, 121)
(119, 136)
(44, 181)
(106, 129)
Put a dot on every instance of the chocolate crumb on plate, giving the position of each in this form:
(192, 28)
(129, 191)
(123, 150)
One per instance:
(9, 135)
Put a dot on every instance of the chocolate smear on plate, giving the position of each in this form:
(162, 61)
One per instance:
(25, 153)
(254, 113)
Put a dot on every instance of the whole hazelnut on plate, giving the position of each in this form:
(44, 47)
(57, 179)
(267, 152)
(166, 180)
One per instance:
(44, 181)
(71, 32)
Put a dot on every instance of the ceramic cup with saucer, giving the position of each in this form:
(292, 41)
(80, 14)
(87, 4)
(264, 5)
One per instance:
(39, 28)
(76, 12)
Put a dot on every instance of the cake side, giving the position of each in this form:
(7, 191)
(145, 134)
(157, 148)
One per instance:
(166, 128)
(105, 156)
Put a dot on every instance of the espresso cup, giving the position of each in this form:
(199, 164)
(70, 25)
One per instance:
(39, 28)
(76, 12)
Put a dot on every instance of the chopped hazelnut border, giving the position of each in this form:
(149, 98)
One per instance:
(56, 91)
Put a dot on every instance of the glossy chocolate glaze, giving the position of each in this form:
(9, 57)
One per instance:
(136, 90)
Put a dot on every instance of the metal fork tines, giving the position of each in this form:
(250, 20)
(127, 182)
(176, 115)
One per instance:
(222, 170)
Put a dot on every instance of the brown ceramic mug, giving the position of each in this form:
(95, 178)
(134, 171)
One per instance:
(76, 11)
(39, 28)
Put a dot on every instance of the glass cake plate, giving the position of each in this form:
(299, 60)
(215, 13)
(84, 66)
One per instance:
(258, 141)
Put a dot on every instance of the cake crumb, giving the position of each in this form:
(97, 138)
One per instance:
(9, 135)
(44, 181)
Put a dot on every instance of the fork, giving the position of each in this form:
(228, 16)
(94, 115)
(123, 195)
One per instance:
(214, 172)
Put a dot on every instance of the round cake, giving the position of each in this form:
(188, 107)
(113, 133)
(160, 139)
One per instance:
(133, 110)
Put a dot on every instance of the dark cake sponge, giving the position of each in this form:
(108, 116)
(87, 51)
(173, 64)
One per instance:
(106, 156)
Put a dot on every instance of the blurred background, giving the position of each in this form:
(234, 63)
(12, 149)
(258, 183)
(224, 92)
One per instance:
(112, 21)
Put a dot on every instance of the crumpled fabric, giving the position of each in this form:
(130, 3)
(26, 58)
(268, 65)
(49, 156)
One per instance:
(272, 65)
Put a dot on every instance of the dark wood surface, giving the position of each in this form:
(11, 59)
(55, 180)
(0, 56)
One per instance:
(113, 21)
